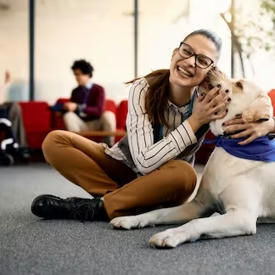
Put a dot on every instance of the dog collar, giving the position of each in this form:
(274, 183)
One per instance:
(261, 149)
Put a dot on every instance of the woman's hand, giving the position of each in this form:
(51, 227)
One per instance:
(70, 106)
(238, 128)
(207, 108)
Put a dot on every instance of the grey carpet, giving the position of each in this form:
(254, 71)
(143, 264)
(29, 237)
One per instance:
(29, 245)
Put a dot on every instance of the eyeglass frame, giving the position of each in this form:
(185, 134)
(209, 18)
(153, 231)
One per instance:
(196, 55)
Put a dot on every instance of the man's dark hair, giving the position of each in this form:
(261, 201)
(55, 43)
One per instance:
(84, 66)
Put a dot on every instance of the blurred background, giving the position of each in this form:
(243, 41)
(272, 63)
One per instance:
(104, 32)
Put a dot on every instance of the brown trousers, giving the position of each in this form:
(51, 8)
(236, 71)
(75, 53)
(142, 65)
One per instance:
(85, 163)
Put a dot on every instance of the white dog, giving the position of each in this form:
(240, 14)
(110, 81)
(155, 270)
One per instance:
(241, 190)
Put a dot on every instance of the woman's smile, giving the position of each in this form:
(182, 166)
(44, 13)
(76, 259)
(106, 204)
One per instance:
(184, 72)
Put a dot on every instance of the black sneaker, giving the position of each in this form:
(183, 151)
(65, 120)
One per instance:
(52, 207)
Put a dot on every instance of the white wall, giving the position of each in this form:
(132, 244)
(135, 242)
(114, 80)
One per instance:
(102, 31)
(95, 30)
(14, 48)
(163, 27)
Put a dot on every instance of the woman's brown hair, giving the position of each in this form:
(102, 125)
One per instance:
(156, 99)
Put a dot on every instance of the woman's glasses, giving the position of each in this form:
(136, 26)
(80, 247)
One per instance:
(201, 60)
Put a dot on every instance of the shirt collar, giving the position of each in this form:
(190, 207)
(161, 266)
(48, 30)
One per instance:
(89, 85)
(182, 108)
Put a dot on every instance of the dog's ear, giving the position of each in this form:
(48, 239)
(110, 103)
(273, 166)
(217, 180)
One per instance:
(260, 109)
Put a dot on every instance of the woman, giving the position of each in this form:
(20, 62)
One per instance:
(152, 166)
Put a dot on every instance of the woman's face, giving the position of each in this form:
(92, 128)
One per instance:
(184, 72)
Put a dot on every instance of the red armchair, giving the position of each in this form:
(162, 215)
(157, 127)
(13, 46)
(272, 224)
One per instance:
(122, 110)
(37, 118)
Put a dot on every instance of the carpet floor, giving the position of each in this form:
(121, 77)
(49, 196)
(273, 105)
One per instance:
(29, 245)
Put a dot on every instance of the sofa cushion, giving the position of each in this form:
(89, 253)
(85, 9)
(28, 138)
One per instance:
(36, 115)
(110, 106)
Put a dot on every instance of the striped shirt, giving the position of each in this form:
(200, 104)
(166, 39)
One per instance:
(146, 155)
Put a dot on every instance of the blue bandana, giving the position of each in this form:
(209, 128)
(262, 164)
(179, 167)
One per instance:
(261, 149)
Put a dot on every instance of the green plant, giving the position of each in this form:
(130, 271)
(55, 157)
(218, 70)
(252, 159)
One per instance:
(252, 28)
(255, 29)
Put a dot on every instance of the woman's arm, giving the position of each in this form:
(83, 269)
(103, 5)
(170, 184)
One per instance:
(146, 155)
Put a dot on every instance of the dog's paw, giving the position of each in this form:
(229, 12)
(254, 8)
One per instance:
(127, 222)
(167, 239)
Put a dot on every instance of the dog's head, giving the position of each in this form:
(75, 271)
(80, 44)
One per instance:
(214, 78)
(246, 99)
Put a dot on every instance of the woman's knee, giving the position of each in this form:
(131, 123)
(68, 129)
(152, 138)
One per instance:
(185, 176)
(50, 143)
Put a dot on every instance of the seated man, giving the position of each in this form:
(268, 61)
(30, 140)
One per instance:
(85, 111)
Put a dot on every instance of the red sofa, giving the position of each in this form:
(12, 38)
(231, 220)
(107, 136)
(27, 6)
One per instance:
(39, 120)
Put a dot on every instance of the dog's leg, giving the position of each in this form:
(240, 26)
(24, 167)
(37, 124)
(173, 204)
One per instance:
(173, 215)
(235, 222)
(241, 201)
